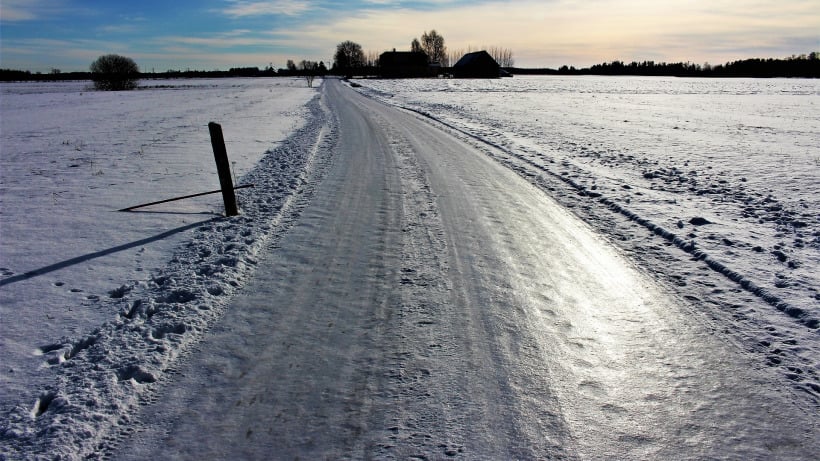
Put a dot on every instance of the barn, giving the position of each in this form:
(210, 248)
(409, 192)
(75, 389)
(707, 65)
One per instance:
(477, 65)
(404, 64)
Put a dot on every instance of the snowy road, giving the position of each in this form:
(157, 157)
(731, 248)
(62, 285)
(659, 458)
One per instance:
(430, 303)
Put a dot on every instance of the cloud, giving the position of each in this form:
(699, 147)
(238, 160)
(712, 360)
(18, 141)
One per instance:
(220, 41)
(41, 54)
(26, 10)
(118, 29)
(585, 32)
(242, 8)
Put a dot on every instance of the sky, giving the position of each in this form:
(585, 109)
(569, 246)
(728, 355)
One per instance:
(40, 35)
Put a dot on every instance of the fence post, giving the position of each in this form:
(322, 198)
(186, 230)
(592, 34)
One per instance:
(223, 168)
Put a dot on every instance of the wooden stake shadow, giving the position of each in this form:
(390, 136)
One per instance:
(132, 208)
(98, 254)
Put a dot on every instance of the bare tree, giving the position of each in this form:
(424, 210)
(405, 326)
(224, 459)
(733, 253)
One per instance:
(415, 46)
(349, 56)
(309, 69)
(433, 44)
(372, 59)
(503, 56)
(113, 72)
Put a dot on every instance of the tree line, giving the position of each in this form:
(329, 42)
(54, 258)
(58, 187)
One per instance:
(796, 66)
(350, 58)
(297, 70)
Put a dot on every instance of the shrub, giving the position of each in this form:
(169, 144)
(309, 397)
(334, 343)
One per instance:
(113, 72)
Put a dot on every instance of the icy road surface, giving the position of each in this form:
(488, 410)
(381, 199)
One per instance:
(430, 303)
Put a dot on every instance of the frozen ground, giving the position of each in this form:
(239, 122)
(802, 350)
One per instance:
(699, 179)
(499, 324)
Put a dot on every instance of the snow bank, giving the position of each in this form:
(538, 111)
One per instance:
(83, 335)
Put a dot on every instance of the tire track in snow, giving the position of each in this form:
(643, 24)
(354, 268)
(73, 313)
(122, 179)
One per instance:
(781, 345)
(636, 376)
(687, 246)
(458, 393)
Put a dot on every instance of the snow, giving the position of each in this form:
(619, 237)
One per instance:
(631, 155)
(430, 303)
(78, 273)
(741, 153)
(100, 310)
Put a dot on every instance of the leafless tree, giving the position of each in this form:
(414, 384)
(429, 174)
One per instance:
(349, 56)
(309, 69)
(415, 46)
(372, 59)
(433, 44)
(455, 55)
(503, 56)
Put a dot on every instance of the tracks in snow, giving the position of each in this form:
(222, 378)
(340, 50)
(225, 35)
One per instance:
(781, 345)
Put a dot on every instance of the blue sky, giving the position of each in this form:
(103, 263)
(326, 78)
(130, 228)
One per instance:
(39, 35)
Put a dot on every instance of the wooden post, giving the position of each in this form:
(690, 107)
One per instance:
(223, 168)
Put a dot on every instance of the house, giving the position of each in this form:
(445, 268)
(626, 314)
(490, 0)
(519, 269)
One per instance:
(404, 64)
(477, 65)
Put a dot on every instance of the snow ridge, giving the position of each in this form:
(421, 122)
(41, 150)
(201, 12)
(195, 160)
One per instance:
(100, 378)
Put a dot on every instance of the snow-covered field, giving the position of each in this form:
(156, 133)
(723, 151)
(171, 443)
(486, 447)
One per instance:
(76, 272)
(713, 185)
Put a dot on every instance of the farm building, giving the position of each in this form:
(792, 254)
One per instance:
(477, 65)
(404, 64)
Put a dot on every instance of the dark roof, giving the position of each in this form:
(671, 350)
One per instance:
(403, 58)
(475, 58)
(404, 64)
(477, 65)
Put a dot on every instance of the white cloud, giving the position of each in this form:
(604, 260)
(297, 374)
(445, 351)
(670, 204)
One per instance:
(221, 41)
(25, 10)
(243, 8)
(582, 33)
(41, 54)
(236, 38)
